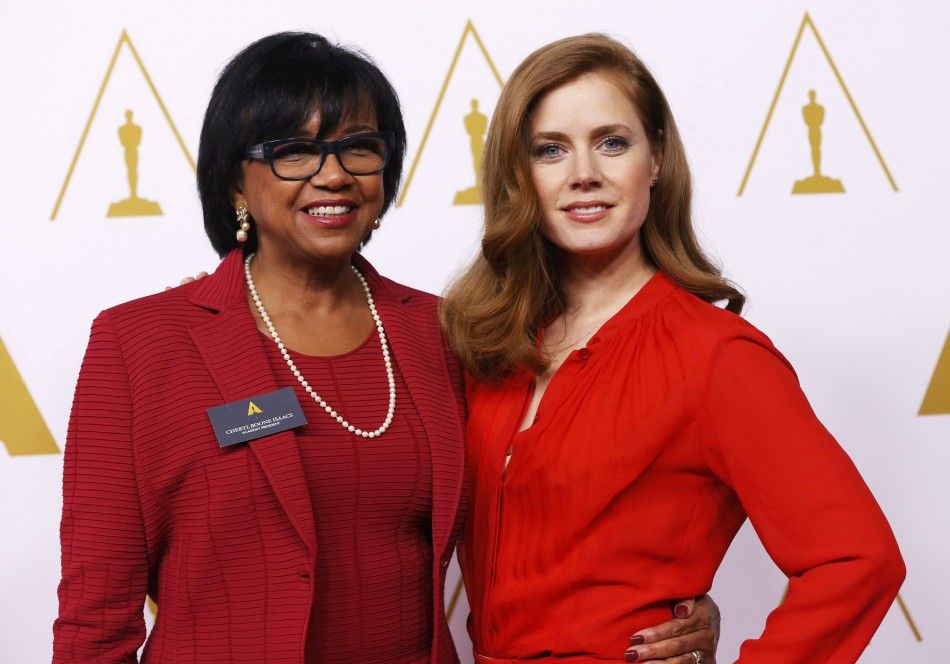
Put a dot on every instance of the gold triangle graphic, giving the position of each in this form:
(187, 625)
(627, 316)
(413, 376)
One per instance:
(807, 22)
(937, 399)
(252, 409)
(908, 618)
(469, 30)
(22, 429)
(126, 41)
(454, 600)
(900, 603)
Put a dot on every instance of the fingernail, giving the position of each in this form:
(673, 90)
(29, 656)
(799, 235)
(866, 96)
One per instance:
(637, 639)
(681, 611)
(631, 656)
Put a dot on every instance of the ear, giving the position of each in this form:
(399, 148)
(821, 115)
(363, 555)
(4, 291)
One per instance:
(656, 162)
(657, 156)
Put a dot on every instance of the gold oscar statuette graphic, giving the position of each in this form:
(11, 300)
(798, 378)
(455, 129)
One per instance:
(22, 429)
(816, 183)
(937, 399)
(130, 135)
(476, 124)
(814, 115)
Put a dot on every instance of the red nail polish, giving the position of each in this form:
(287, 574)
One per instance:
(637, 639)
(631, 656)
(681, 611)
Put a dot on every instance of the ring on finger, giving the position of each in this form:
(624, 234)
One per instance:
(697, 657)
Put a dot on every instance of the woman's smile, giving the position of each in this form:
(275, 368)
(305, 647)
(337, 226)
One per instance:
(587, 212)
(331, 213)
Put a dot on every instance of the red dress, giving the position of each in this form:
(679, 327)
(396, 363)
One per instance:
(650, 448)
(372, 508)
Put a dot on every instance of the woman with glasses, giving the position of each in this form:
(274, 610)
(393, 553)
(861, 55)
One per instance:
(320, 537)
(273, 453)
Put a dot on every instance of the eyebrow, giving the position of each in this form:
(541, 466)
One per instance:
(598, 131)
(346, 129)
(349, 129)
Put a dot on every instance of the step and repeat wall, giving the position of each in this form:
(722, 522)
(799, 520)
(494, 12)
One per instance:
(846, 261)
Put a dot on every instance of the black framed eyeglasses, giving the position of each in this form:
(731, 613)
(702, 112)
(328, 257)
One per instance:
(302, 158)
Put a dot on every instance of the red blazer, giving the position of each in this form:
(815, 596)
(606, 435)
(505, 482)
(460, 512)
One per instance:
(222, 538)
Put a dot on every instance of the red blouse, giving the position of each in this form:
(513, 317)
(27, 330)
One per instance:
(650, 448)
(372, 507)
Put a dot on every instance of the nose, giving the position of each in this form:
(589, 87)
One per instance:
(585, 172)
(331, 175)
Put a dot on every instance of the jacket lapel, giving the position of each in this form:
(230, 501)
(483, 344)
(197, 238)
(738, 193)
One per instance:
(424, 371)
(233, 351)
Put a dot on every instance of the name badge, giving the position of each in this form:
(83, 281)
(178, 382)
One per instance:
(257, 416)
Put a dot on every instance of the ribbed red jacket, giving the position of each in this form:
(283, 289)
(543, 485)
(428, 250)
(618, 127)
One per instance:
(222, 538)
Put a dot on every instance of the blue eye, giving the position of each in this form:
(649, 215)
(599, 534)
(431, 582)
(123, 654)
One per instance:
(615, 144)
(547, 151)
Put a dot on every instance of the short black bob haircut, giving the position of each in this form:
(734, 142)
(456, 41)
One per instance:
(271, 90)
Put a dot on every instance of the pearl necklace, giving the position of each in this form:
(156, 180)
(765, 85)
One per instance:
(303, 382)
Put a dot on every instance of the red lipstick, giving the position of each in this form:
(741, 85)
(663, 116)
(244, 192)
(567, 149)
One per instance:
(330, 213)
(587, 212)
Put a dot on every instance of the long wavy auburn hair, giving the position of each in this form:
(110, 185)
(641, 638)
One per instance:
(494, 311)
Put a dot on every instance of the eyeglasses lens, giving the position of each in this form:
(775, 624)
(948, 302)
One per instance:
(358, 156)
(297, 160)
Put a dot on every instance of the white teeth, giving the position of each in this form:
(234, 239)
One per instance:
(589, 210)
(328, 210)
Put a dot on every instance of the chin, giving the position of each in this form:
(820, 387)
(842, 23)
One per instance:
(593, 247)
(332, 249)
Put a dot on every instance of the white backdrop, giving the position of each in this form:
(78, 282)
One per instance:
(853, 287)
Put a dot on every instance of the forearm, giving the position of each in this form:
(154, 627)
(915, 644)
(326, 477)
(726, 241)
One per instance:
(830, 612)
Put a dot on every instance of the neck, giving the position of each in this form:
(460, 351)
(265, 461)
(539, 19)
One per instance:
(304, 285)
(595, 285)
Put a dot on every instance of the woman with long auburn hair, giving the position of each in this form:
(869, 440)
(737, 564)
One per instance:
(494, 311)
(621, 427)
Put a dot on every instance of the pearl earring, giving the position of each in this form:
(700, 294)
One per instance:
(244, 224)
(377, 223)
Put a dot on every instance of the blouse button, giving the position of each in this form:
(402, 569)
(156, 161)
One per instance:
(584, 354)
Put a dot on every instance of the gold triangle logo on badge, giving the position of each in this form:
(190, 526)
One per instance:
(475, 124)
(252, 409)
(22, 429)
(937, 399)
(129, 138)
(813, 113)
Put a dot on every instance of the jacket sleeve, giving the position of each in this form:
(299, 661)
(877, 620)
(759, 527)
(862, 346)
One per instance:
(808, 504)
(104, 558)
